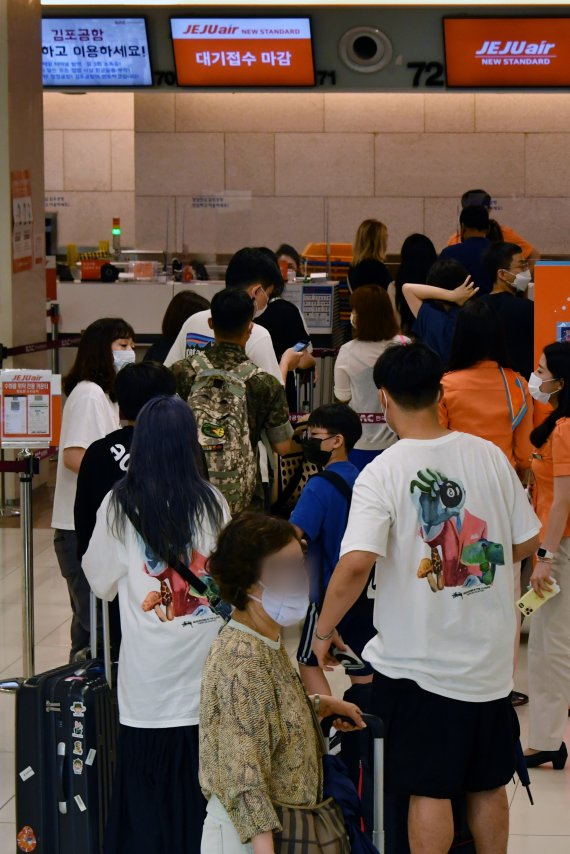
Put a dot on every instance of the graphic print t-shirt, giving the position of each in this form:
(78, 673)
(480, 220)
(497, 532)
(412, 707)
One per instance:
(443, 516)
(167, 631)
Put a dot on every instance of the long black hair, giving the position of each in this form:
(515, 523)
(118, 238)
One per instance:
(416, 257)
(94, 359)
(479, 335)
(163, 493)
(557, 357)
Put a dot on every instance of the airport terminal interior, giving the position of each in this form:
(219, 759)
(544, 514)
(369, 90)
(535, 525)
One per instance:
(143, 144)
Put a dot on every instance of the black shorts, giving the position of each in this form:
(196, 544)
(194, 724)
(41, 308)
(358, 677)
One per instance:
(356, 629)
(441, 748)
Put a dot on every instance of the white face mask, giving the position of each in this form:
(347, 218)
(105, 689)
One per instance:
(286, 607)
(522, 281)
(534, 385)
(353, 319)
(259, 311)
(384, 404)
(122, 358)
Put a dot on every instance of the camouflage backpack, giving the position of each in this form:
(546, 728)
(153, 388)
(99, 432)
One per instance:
(219, 404)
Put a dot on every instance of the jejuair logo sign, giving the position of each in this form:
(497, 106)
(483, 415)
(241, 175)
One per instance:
(516, 53)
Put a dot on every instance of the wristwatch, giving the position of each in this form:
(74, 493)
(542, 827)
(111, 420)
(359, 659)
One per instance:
(544, 554)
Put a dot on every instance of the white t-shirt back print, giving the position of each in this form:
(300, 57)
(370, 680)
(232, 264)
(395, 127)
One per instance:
(166, 630)
(443, 516)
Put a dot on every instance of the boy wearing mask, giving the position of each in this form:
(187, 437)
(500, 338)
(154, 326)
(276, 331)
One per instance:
(320, 517)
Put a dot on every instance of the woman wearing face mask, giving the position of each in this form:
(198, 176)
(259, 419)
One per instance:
(374, 328)
(258, 742)
(549, 642)
(90, 413)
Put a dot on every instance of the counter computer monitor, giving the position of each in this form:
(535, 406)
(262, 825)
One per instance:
(242, 52)
(507, 53)
(104, 52)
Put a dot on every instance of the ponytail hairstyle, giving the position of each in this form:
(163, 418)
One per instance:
(557, 357)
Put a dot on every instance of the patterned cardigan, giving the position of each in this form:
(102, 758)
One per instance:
(258, 741)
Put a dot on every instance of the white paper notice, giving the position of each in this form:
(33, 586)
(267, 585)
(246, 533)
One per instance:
(15, 415)
(38, 414)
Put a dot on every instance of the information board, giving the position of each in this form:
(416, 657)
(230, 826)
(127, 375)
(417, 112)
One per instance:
(30, 408)
(95, 52)
(243, 51)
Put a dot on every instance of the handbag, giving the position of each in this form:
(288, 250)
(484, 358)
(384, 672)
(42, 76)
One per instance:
(311, 830)
(319, 829)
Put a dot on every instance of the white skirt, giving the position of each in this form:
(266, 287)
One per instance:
(219, 835)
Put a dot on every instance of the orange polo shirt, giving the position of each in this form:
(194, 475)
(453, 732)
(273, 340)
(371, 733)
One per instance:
(509, 236)
(475, 401)
(550, 461)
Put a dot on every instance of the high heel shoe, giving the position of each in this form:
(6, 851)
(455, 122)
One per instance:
(557, 757)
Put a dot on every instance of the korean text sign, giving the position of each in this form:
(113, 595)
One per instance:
(243, 51)
(30, 408)
(507, 52)
(95, 52)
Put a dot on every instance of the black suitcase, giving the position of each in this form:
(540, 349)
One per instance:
(66, 737)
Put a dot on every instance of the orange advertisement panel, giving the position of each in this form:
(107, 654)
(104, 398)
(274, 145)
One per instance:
(507, 52)
(243, 51)
(551, 304)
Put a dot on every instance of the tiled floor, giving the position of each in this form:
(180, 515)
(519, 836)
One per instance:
(542, 829)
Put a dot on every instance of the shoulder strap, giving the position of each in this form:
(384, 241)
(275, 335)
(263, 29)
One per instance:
(222, 609)
(200, 360)
(345, 490)
(516, 396)
(245, 371)
(338, 482)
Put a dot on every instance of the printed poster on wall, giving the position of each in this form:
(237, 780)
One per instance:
(23, 220)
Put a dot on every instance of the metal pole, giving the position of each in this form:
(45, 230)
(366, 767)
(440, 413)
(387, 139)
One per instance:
(54, 312)
(28, 570)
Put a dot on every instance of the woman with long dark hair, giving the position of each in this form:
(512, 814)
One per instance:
(163, 512)
(483, 396)
(90, 413)
(416, 258)
(549, 641)
(479, 370)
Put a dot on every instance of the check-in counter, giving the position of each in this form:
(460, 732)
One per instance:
(143, 304)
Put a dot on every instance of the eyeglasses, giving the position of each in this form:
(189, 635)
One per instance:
(306, 435)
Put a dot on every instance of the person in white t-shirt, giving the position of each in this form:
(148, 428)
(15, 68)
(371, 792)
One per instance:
(90, 413)
(160, 515)
(444, 515)
(254, 271)
(375, 327)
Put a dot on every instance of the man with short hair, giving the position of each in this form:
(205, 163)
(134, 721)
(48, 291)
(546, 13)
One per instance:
(253, 271)
(474, 225)
(497, 231)
(509, 272)
(444, 516)
(231, 324)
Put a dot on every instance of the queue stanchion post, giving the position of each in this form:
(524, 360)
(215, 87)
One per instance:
(54, 315)
(26, 477)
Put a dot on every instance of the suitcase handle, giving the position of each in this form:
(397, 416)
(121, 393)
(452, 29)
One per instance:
(373, 724)
(106, 635)
(61, 799)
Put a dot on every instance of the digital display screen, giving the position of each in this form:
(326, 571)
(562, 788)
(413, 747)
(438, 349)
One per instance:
(243, 51)
(507, 52)
(95, 52)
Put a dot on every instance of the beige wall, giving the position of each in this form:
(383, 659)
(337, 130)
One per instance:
(89, 158)
(405, 158)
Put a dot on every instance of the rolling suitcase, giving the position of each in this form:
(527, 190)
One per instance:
(66, 736)
(373, 745)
